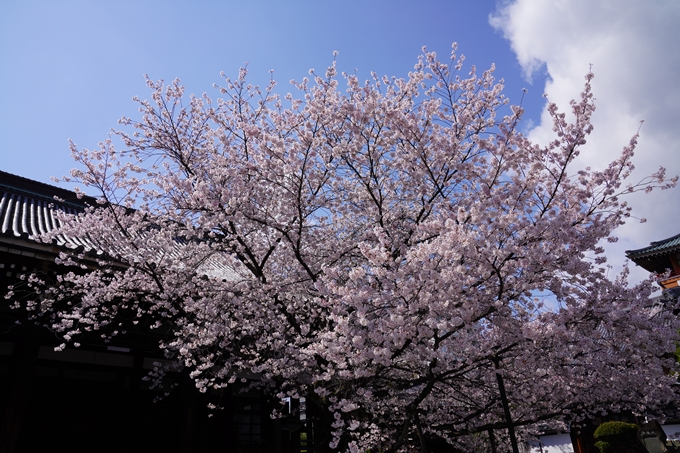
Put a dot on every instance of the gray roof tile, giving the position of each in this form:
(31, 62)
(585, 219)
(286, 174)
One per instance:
(28, 209)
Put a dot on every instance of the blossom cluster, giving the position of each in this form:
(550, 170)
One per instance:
(377, 248)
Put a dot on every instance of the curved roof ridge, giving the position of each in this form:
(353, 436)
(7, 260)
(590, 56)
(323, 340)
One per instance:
(665, 240)
(663, 246)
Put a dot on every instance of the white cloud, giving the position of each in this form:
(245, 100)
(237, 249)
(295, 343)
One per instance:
(633, 48)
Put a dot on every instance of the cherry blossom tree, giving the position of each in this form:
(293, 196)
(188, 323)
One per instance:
(383, 249)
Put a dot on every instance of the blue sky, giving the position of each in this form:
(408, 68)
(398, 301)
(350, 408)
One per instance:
(68, 69)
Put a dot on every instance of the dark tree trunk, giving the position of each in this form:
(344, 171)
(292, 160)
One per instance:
(492, 441)
(506, 406)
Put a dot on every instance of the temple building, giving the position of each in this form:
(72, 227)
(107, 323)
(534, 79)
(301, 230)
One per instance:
(661, 258)
(96, 397)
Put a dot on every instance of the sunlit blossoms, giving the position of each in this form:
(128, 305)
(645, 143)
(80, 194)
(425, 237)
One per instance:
(382, 248)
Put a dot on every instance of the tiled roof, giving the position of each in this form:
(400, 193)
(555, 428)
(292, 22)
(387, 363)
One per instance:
(656, 248)
(28, 208)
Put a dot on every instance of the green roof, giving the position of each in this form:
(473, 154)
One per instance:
(656, 248)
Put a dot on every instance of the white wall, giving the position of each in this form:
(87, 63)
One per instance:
(555, 443)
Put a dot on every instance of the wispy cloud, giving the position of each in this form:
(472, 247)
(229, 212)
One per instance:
(632, 46)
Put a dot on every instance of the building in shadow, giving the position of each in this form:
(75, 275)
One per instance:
(96, 397)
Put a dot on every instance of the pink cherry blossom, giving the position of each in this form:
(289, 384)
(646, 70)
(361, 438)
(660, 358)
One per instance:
(377, 247)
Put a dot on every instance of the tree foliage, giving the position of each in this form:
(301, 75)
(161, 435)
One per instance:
(615, 437)
(380, 248)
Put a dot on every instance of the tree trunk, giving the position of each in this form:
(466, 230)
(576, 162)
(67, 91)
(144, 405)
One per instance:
(421, 437)
(492, 441)
(506, 406)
